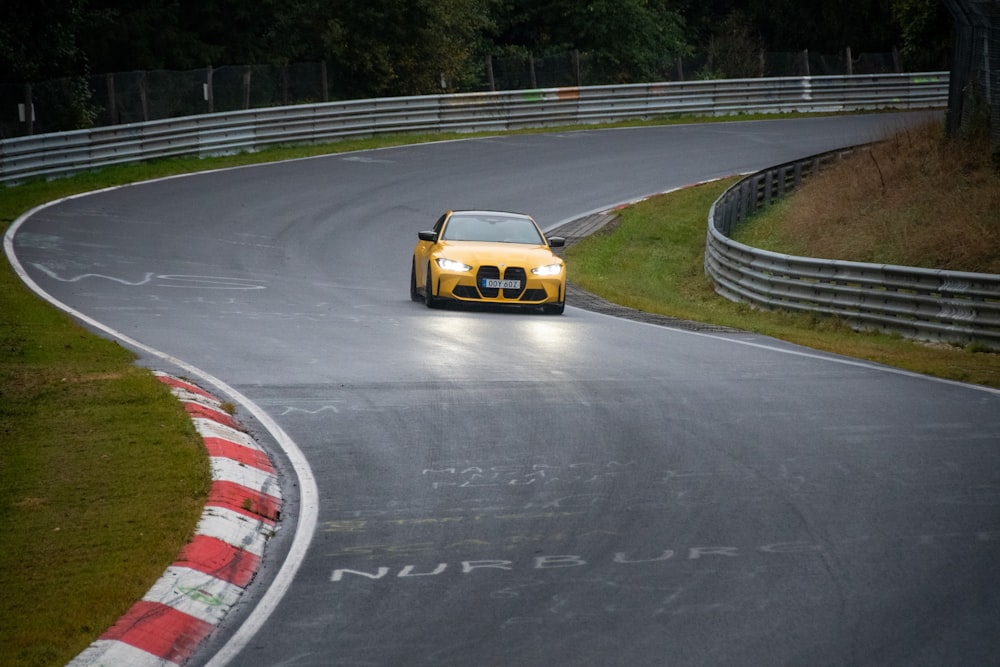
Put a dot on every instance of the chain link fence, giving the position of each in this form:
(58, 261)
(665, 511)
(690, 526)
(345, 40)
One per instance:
(974, 96)
(130, 97)
(576, 69)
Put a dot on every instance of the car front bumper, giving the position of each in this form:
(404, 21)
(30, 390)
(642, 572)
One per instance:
(469, 287)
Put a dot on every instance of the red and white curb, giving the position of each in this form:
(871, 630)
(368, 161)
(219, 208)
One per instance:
(215, 567)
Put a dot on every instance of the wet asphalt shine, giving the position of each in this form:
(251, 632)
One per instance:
(505, 488)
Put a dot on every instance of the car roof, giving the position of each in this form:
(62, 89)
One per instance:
(489, 212)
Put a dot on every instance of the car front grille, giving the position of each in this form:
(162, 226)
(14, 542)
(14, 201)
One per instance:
(493, 272)
(487, 272)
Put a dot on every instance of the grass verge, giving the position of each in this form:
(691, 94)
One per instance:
(102, 478)
(653, 260)
(918, 199)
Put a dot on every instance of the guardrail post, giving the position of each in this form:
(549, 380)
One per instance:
(753, 196)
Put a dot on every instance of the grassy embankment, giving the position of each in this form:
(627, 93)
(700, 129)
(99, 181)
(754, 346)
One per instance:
(102, 477)
(916, 200)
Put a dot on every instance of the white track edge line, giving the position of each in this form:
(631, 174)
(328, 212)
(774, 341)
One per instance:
(847, 361)
(820, 356)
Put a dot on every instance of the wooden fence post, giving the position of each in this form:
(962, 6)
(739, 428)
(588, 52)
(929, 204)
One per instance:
(113, 115)
(29, 110)
(209, 93)
(143, 97)
(247, 79)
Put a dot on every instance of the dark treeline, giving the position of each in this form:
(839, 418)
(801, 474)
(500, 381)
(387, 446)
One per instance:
(399, 47)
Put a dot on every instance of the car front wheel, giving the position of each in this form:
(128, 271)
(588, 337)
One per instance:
(414, 294)
(428, 282)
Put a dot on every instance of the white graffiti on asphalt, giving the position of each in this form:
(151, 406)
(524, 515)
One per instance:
(161, 280)
(557, 561)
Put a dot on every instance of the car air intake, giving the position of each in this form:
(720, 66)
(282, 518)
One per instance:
(487, 273)
(515, 273)
(534, 295)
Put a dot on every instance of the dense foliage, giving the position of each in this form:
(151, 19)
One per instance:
(419, 46)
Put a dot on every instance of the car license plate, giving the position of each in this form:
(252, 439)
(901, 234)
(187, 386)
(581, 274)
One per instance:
(493, 283)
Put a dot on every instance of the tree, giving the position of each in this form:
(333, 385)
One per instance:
(403, 47)
(792, 25)
(628, 40)
(40, 40)
(187, 34)
(631, 40)
(149, 35)
(735, 50)
(826, 27)
(925, 27)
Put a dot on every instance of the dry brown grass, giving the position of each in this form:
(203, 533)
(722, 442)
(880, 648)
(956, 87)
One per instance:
(918, 199)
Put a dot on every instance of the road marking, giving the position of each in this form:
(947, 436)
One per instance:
(365, 160)
(702, 554)
(161, 280)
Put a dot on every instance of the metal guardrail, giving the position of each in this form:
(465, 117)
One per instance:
(225, 133)
(926, 304)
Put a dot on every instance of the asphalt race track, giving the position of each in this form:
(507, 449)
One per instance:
(518, 489)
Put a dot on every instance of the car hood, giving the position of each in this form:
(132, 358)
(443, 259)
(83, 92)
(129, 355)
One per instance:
(512, 254)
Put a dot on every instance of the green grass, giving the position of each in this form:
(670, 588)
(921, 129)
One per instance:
(102, 478)
(653, 260)
(662, 241)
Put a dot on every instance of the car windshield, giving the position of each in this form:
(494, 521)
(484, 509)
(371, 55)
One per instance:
(495, 229)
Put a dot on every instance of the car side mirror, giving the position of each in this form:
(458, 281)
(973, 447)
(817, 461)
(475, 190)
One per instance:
(557, 242)
(428, 236)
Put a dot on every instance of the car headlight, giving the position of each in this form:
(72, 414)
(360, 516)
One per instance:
(452, 265)
(547, 270)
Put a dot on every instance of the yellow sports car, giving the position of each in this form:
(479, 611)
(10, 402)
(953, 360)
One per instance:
(488, 257)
